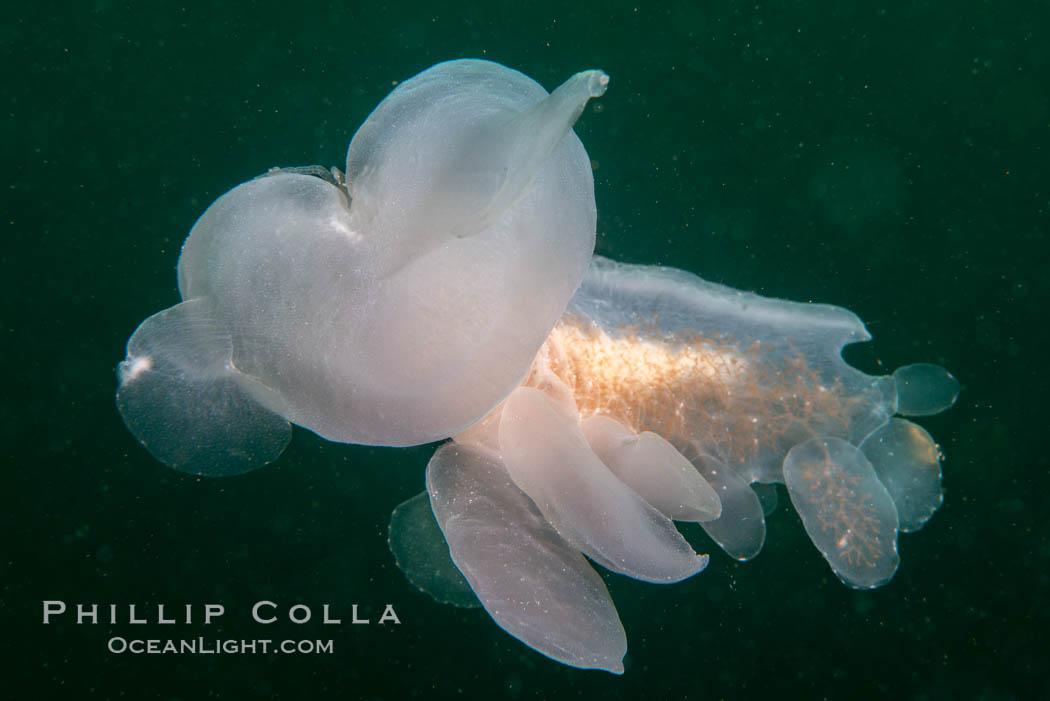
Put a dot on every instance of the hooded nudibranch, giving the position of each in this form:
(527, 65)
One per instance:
(446, 288)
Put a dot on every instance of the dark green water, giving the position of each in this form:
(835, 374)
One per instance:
(891, 159)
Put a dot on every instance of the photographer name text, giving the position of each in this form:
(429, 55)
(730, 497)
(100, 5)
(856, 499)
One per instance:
(262, 612)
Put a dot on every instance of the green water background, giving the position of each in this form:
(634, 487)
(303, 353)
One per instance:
(890, 158)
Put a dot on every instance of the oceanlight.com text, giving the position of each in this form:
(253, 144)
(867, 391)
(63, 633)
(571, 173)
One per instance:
(214, 646)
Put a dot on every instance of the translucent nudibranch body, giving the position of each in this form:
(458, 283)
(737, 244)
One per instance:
(393, 310)
(446, 288)
(687, 392)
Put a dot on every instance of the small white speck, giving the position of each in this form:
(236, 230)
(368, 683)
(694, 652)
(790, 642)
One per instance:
(132, 368)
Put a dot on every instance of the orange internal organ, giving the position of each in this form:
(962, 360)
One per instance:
(847, 515)
(734, 400)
